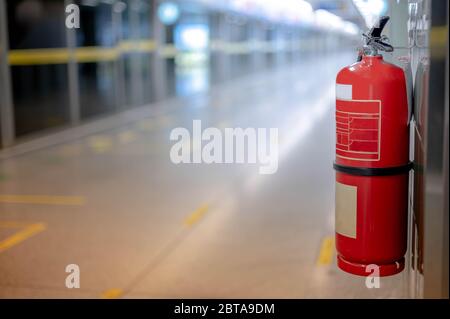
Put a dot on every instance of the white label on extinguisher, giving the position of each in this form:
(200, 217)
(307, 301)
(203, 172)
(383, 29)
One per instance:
(346, 197)
(344, 91)
(358, 129)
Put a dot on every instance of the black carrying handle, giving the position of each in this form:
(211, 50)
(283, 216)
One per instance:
(377, 29)
(374, 37)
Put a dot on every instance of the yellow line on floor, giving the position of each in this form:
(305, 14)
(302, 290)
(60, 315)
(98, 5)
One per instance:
(80, 54)
(71, 150)
(100, 144)
(126, 137)
(13, 224)
(165, 121)
(22, 235)
(196, 215)
(326, 251)
(146, 125)
(112, 293)
(43, 200)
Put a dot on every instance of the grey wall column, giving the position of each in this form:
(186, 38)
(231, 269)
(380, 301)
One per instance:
(282, 38)
(436, 235)
(257, 37)
(159, 68)
(224, 36)
(117, 12)
(74, 89)
(298, 42)
(291, 45)
(136, 74)
(279, 53)
(6, 103)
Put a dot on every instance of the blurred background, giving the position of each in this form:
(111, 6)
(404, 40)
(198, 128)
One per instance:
(85, 173)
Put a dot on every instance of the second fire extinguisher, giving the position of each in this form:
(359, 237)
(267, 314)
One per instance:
(372, 161)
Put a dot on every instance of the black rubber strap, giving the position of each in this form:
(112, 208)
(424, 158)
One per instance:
(379, 171)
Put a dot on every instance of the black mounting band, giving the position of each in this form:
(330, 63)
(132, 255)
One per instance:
(378, 171)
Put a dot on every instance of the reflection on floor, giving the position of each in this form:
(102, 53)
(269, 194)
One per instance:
(139, 226)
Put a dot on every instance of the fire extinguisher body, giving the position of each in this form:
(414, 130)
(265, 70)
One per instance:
(372, 167)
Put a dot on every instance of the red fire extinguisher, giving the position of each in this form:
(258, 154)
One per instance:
(372, 161)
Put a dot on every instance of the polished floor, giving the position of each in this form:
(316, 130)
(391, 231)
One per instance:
(139, 226)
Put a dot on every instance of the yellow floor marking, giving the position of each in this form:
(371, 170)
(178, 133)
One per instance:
(100, 144)
(43, 200)
(22, 235)
(165, 120)
(146, 125)
(71, 150)
(326, 251)
(196, 215)
(112, 293)
(126, 137)
(80, 54)
(13, 224)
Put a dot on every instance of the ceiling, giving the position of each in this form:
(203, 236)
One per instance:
(343, 8)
